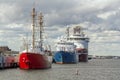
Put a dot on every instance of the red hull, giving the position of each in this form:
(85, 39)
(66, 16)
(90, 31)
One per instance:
(29, 60)
(83, 58)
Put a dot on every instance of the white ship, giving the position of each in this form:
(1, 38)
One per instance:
(80, 40)
(77, 36)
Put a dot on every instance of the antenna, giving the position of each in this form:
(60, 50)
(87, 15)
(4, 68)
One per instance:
(67, 31)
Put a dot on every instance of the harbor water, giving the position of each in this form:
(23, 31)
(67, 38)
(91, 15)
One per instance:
(95, 69)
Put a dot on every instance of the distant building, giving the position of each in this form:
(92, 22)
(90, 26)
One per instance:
(4, 48)
(7, 52)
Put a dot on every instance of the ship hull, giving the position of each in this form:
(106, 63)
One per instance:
(29, 60)
(82, 55)
(62, 57)
(83, 58)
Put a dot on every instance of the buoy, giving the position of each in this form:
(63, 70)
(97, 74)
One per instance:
(77, 72)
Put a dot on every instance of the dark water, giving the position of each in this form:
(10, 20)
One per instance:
(104, 69)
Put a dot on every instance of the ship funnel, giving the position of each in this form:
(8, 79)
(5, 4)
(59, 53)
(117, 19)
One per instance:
(77, 30)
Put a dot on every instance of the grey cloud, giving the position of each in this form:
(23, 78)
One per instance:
(58, 14)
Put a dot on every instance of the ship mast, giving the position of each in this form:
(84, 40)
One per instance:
(40, 17)
(33, 28)
(67, 31)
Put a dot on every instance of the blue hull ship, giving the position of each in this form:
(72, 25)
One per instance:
(63, 57)
(65, 52)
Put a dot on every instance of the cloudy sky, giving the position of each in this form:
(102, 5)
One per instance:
(100, 18)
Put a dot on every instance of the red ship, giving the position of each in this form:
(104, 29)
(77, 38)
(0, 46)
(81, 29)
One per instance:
(29, 60)
(35, 57)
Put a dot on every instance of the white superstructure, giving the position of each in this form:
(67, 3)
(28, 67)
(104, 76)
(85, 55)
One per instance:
(78, 38)
(64, 45)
